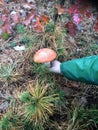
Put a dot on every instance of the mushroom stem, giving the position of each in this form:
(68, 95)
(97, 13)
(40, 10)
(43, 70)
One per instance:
(51, 64)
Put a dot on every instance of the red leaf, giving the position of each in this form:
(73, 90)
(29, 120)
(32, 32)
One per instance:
(96, 26)
(88, 14)
(84, 9)
(74, 9)
(96, 18)
(71, 28)
(80, 9)
(82, 1)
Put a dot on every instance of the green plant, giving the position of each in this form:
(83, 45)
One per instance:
(6, 71)
(10, 122)
(42, 73)
(29, 40)
(62, 102)
(50, 27)
(25, 40)
(5, 35)
(12, 44)
(20, 28)
(5, 124)
(38, 104)
(39, 68)
(82, 119)
(30, 126)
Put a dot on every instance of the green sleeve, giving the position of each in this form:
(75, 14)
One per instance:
(82, 69)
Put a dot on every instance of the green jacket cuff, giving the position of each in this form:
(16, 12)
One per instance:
(82, 69)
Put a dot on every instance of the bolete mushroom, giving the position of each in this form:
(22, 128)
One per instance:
(44, 55)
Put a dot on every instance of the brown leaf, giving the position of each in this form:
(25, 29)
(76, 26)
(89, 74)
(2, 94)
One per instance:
(27, 21)
(45, 19)
(4, 18)
(1, 2)
(31, 1)
(84, 9)
(5, 11)
(6, 27)
(71, 28)
(5, 51)
(61, 10)
(28, 6)
(74, 9)
(15, 17)
(88, 14)
(37, 26)
(74, 84)
(96, 26)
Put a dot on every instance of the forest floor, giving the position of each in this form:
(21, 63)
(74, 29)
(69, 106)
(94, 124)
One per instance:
(71, 29)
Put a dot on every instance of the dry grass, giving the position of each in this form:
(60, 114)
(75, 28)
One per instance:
(73, 96)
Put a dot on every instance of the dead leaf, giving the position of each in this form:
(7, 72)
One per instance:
(84, 9)
(29, 18)
(88, 14)
(4, 18)
(15, 17)
(6, 27)
(61, 10)
(96, 27)
(74, 84)
(45, 19)
(28, 6)
(74, 9)
(1, 2)
(31, 1)
(71, 28)
(37, 26)
(5, 51)
(5, 11)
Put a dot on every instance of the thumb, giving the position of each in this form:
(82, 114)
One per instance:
(55, 66)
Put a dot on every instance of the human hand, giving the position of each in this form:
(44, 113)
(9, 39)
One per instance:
(54, 66)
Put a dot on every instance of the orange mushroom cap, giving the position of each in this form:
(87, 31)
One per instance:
(44, 55)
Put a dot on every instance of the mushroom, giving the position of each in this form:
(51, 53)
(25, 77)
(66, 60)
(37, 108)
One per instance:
(44, 55)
